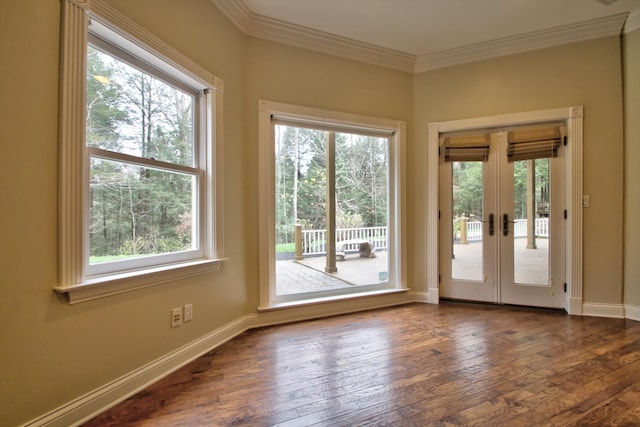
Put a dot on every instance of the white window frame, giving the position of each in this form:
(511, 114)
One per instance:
(267, 110)
(77, 280)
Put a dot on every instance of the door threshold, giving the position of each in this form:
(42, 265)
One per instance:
(500, 305)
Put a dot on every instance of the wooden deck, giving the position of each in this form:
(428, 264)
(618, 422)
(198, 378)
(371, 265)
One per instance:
(413, 365)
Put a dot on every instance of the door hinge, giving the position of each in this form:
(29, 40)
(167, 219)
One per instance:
(439, 278)
(565, 287)
(565, 141)
(438, 214)
(565, 214)
(438, 151)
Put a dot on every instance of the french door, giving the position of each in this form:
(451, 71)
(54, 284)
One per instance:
(502, 216)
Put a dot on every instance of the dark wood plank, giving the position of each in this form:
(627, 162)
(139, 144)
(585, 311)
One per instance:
(447, 365)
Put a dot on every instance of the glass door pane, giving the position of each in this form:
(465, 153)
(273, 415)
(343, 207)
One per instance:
(531, 224)
(467, 216)
(300, 187)
(362, 200)
(305, 234)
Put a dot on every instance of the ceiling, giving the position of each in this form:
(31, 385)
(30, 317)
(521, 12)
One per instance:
(417, 34)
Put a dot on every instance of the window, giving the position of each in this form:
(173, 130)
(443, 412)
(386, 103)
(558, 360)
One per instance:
(140, 158)
(331, 204)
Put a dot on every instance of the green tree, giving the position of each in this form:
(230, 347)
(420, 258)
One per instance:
(468, 189)
(137, 210)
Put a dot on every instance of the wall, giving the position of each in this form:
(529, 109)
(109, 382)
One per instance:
(52, 352)
(632, 171)
(588, 74)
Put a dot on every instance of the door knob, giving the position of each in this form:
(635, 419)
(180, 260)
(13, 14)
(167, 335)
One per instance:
(505, 224)
(490, 221)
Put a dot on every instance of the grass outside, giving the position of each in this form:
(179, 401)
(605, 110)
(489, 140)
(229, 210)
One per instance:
(109, 258)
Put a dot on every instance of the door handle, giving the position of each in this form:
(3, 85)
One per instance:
(490, 221)
(505, 224)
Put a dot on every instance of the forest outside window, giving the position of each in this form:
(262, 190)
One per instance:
(332, 215)
(142, 150)
(150, 176)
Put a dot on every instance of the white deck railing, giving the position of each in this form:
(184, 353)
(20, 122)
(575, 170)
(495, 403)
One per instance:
(314, 241)
(474, 229)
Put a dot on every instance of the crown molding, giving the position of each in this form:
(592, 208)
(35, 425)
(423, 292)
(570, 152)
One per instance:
(295, 35)
(236, 11)
(319, 41)
(633, 21)
(602, 27)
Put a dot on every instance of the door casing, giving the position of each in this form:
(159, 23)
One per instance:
(573, 119)
(496, 284)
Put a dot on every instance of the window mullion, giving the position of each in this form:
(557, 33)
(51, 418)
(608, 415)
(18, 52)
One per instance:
(140, 161)
(330, 158)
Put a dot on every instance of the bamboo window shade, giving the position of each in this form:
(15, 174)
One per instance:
(529, 144)
(471, 148)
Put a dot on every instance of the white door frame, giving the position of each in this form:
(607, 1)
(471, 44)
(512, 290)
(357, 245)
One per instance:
(573, 116)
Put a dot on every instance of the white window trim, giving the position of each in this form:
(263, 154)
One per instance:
(573, 116)
(397, 246)
(73, 281)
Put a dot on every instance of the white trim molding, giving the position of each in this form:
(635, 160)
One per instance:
(75, 279)
(394, 130)
(602, 27)
(303, 37)
(633, 21)
(573, 190)
(102, 398)
(632, 312)
(263, 27)
(615, 311)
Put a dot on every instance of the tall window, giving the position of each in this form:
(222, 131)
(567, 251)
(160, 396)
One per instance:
(334, 204)
(143, 171)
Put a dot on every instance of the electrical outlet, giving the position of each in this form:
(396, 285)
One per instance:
(188, 312)
(176, 317)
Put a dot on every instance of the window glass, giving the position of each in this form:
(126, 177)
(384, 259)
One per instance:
(140, 158)
(303, 180)
(132, 112)
(136, 209)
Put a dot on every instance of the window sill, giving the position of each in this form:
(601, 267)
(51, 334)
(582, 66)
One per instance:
(336, 298)
(101, 287)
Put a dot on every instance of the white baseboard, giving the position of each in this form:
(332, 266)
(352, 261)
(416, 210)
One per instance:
(97, 401)
(616, 311)
(574, 306)
(632, 312)
(330, 308)
(434, 295)
(419, 296)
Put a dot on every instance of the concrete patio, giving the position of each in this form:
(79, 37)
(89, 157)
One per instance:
(308, 275)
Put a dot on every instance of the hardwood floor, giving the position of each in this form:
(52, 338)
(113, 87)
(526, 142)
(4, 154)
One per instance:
(415, 365)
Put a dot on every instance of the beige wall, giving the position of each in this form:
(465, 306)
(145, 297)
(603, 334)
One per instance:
(632, 169)
(585, 74)
(52, 352)
(289, 75)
